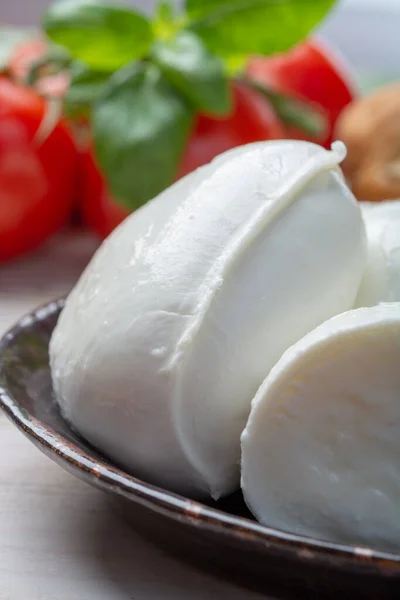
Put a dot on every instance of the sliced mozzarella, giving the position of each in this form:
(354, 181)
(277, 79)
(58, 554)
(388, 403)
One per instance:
(321, 450)
(381, 280)
(185, 308)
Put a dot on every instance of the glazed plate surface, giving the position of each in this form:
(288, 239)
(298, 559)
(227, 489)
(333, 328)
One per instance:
(221, 537)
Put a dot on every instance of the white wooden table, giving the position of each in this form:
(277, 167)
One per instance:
(59, 538)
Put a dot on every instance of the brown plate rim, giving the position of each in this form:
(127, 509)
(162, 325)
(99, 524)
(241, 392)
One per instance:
(173, 505)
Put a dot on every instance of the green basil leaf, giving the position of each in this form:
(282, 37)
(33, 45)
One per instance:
(140, 128)
(104, 36)
(194, 72)
(236, 63)
(292, 111)
(254, 26)
(165, 12)
(165, 22)
(304, 116)
(86, 87)
(197, 9)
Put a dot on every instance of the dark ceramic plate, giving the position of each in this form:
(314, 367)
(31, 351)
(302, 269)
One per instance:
(221, 536)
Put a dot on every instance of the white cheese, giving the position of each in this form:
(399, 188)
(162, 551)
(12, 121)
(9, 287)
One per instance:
(185, 308)
(381, 280)
(321, 450)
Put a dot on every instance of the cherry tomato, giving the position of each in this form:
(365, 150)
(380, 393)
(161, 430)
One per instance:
(37, 177)
(310, 71)
(252, 120)
(99, 211)
(24, 57)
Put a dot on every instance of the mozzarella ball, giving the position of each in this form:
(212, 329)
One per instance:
(321, 449)
(188, 304)
(381, 280)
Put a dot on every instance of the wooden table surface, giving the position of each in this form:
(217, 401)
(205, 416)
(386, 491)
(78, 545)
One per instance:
(59, 537)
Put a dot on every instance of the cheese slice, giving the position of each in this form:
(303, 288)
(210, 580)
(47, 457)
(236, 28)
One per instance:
(321, 449)
(381, 280)
(185, 308)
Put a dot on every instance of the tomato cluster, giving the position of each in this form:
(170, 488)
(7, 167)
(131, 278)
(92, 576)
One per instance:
(37, 175)
(44, 171)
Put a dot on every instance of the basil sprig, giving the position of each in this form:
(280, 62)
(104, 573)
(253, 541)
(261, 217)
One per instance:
(142, 81)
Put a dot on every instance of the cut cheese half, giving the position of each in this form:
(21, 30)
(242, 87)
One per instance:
(321, 450)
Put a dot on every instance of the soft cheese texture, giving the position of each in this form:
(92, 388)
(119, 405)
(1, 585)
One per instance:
(185, 308)
(381, 280)
(321, 450)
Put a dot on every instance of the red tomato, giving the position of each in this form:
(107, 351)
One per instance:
(24, 55)
(37, 179)
(22, 59)
(252, 120)
(310, 72)
(99, 211)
